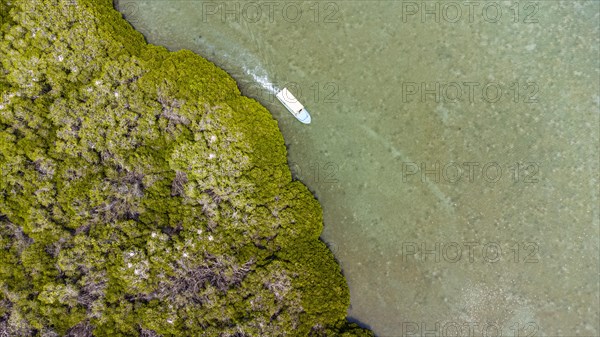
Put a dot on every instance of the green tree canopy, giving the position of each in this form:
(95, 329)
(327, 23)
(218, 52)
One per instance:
(142, 195)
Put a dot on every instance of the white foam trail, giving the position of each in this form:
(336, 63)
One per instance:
(260, 77)
(252, 67)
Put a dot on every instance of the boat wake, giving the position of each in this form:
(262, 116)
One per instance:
(244, 58)
(259, 75)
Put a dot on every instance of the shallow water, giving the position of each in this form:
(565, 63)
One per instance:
(455, 157)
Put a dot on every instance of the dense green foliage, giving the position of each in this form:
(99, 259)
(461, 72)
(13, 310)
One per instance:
(142, 195)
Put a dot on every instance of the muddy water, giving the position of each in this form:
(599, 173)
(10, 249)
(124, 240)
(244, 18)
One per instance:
(454, 148)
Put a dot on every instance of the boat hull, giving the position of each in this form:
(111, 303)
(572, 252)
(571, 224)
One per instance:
(293, 105)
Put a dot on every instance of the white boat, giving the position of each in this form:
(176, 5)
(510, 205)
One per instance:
(291, 103)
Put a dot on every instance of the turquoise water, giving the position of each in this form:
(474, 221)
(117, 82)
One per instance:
(454, 148)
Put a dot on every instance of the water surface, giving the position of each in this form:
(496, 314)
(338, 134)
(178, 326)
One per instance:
(455, 157)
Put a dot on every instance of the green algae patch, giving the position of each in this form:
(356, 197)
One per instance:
(142, 195)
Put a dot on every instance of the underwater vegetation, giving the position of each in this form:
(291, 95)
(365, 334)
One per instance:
(142, 195)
